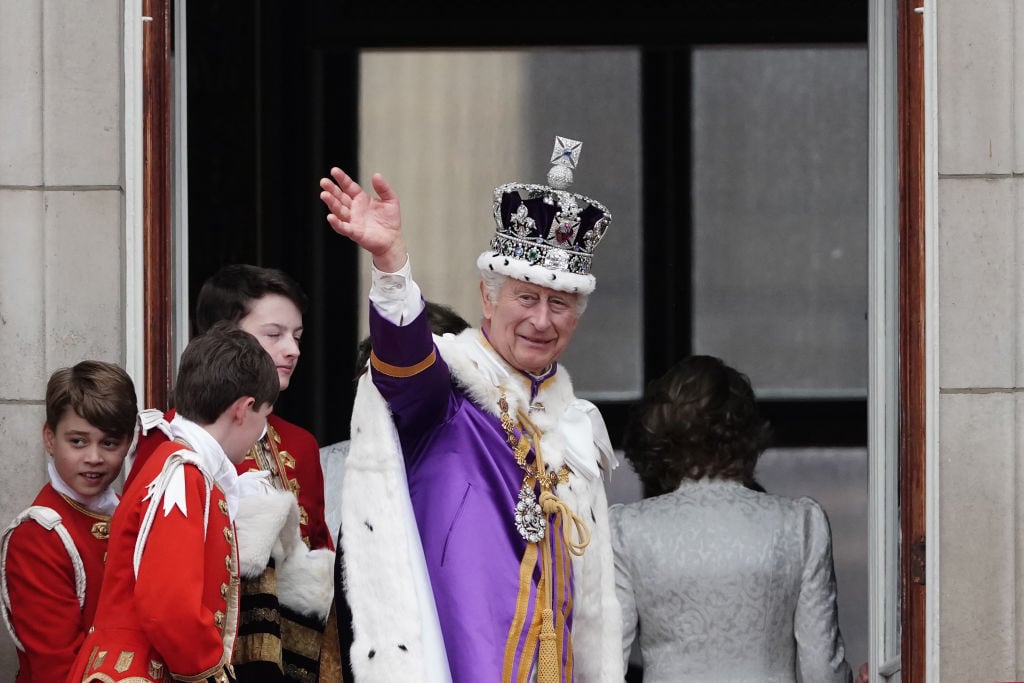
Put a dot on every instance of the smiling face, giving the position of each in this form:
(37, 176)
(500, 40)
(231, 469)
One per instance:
(529, 325)
(277, 323)
(87, 459)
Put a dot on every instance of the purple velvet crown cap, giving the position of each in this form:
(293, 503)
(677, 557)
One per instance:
(546, 234)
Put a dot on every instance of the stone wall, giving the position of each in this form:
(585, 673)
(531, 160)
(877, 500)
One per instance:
(61, 218)
(980, 98)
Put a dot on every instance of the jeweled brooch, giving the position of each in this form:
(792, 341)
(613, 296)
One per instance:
(530, 521)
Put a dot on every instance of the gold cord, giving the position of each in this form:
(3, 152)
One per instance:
(548, 658)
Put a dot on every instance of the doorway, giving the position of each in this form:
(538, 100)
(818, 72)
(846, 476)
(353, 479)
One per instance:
(276, 96)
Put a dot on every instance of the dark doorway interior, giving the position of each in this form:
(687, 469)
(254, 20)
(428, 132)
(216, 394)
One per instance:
(273, 102)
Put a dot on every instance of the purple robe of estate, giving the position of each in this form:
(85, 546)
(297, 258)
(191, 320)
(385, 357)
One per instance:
(464, 484)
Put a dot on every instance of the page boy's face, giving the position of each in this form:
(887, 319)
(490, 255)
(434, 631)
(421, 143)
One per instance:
(247, 431)
(277, 323)
(87, 458)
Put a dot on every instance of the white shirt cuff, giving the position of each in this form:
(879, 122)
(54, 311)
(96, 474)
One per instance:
(396, 296)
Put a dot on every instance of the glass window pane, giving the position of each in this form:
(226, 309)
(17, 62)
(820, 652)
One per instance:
(447, 127)
(780, 216)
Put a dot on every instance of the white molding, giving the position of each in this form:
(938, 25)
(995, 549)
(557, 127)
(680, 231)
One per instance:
(179, 235)
(883, 353)
(134, 283)
(931, 317)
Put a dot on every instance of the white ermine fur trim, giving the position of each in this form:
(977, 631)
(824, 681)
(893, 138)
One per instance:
(267, 526)
(305, 581)
(396, 635)
(261, 519)
(519, 269)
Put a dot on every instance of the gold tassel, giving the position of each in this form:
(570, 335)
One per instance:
(549, 668)
(575, 536)
(549, 665)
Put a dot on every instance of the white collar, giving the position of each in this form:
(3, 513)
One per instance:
(210, 456)
(104, 502)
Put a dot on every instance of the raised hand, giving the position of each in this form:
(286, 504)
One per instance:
(375, 224)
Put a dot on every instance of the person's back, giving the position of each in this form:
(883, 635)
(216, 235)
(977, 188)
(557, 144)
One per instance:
(137, 607)
(724, 582)
(732, 585)
(169, 604)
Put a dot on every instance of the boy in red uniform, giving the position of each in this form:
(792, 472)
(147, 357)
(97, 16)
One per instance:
(268, 304)
(52, 566)
(169, 605)
(284, 612)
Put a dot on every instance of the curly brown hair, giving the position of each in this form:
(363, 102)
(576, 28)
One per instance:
(699, 419)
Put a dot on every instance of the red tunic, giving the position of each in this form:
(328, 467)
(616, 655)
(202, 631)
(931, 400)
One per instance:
(40, 579)
(296, 458)
(180, 616)
(294, 462)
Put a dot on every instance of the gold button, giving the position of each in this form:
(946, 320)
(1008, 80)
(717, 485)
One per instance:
(222, 506)
(218, 618)
(224, 591)
(228, 535)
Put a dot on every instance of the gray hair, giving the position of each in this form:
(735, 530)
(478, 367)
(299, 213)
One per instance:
(493, 282)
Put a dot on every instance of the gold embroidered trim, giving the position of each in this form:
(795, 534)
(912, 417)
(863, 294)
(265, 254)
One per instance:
(84, 510)
(398, 371)
(258, 647)
(287, 458)
(124, 661)
(259, 614)
(521, 448)
(269, 458)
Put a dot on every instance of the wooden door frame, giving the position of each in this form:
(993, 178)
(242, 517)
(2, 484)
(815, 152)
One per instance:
(912, 387)
(158, 160)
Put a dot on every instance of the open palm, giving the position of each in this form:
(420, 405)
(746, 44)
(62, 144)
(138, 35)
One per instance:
(374, 223)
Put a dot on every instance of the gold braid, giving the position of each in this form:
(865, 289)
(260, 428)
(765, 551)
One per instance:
(548, 659)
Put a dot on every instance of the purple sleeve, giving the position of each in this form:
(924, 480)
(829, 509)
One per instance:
(410, 374)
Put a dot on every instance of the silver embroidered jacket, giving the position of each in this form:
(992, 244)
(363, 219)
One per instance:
(725, 584)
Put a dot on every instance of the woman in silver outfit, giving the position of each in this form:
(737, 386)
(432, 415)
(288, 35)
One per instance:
(720, 581)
